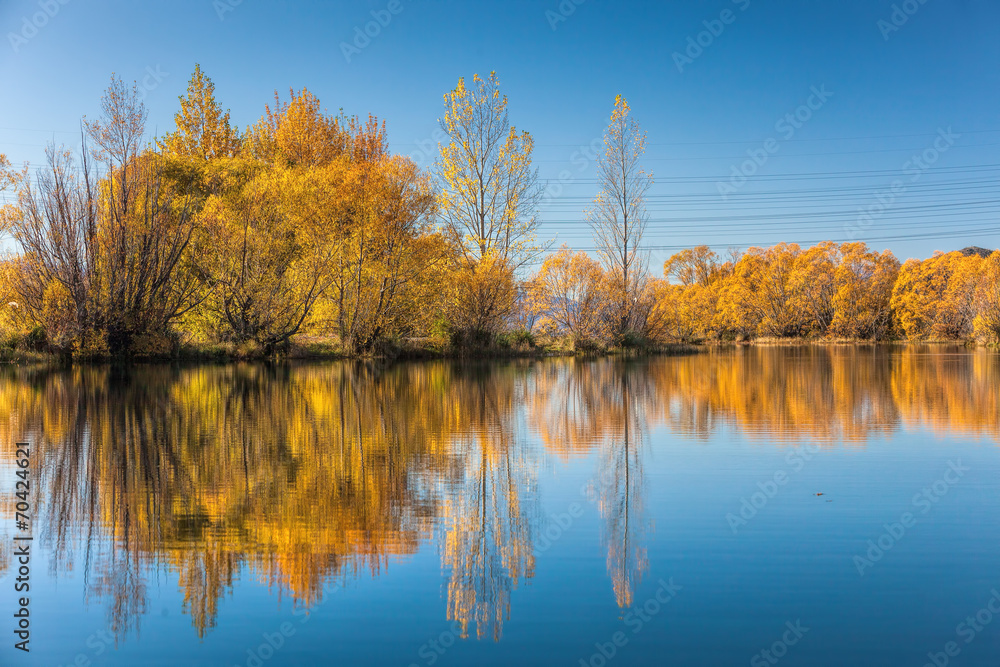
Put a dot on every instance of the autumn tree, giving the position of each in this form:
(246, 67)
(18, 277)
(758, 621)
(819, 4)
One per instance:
(480, 299)
(693, 266)
(329, 233)
(987, 321)
(104, 253)
(812, 285)
(569, 290)
(683, 312)
(11, 312)
(958, 313)
(935, 297)
(264, 274)
(618, 218)
(529, 306)
(862, 303)
(756, 299)
(488, 200)
(7, 177)
(914, 298)
(139, 284)
(688, 311)
(296, 133)
(490, 189)
(203, 130)
(15, 316)
(378, 208)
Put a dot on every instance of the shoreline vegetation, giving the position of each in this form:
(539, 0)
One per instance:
(316, 350)
(303, 236)
(313, 349)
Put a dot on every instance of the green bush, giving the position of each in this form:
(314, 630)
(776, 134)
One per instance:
(36, 340)
(520, 339)
(632, 340)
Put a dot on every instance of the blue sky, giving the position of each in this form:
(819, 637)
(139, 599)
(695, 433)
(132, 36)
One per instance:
(895, 81)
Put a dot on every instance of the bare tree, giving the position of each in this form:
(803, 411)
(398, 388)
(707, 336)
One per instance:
(619, 218)
(56, 226)
(114, 243)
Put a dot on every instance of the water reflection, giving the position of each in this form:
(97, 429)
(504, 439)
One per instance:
(305, 476)
(488, 546)
(620, 483)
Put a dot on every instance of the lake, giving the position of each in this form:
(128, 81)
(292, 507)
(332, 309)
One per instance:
(760, 505)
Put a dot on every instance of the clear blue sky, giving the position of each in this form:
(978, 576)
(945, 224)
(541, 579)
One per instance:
(892, 91)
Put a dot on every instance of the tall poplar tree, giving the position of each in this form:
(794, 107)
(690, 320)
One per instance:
(203, 130)
(490, 188)
(619, 217)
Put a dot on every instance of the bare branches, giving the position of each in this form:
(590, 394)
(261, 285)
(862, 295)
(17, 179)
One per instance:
(112, 244)
(618, 216)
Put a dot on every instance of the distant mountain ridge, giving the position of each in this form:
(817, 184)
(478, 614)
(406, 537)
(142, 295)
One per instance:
(975, 250)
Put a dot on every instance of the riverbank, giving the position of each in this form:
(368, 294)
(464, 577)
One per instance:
(318, 348)
(851, 342)
(511, 346)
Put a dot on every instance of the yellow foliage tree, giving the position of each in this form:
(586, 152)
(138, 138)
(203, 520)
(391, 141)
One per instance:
(694, 266)
(569, 288)
(936, 297)
(684, 312)
(812, 285)
(264, 269)
(202, 131)
(987, 321)
(378, 209)
(862, 304)
(296, 133)
(757, 298)
(490, 189)
(481, 298)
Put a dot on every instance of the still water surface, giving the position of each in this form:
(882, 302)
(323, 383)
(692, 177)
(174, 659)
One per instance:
(808, 506)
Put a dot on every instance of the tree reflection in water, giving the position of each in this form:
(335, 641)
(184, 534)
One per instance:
(304, 476)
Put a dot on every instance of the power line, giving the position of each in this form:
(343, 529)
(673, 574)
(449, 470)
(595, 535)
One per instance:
(771, 156)
(745, 141)
(908, 237)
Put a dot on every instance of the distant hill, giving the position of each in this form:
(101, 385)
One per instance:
(976, 250)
